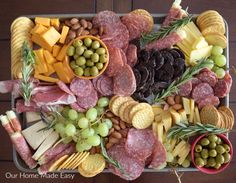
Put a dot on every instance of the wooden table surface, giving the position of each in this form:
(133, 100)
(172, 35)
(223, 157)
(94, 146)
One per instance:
(10, 9)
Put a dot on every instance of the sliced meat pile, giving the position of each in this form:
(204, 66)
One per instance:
(132, 155)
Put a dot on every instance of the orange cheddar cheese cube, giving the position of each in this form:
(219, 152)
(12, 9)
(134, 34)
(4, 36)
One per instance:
(55, 22)
(61, 72)
(64, 32)
(51, 36)
(38, 29)
(36, 38)
(43, 21)
(46, 78)
(48, 57)
(55, 50)
(40, 63)
(51, 70)
(62, 53)
(66, 64)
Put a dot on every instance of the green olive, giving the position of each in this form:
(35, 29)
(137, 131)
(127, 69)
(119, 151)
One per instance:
(212, 138)
(88, 53)
(220, 149)
(94, 71)
(83, 66)
(217, 166)
(212, 145)
(89, 63)
(101, 51)
(227, 157)
(99, 66)
(87, 71)
(103, 58)
(76, 56)
(219, 141)
(220, 159)
(227, 148)
(73, 64)
(204, 153)
(197, 155)
(95, 45)
(186, 163)
(95, 57)
(80, 61)
(204, 141)
(198, 148)
(211, 162)
(71, 51)
(77, 43)
(88, 42)
(212, 153)
(205, 161)
(80, 50)
(199, 162)
(79, 71)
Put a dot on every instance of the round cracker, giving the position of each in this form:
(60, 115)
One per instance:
(214, 29)
(206, 14)
(123, 107)
(73, 161)
(209, 115)
(86, 174)
(216, 39)
(143, 118)
(229, 113)
(117, 102)
(127, 111)
(57, 163)
(67, 162)
(20, 22)
(145, 14)
(80, 159)
(138, 107)
(223, 120)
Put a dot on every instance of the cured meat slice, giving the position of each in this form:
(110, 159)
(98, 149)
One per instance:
(105, 86)
(76, 107)
(201, 91)
(208, 77)
(195, 82)
(185, 89)
(124, 82)
(88, 101)
(7, 86)
(159, 44)
(64, 87)
(210, 100)
(131, 55)
(132, 167)
(6, 124)
(158, 155)
(81, 87)
(21, 107)
(221, 88)
(229, 81)
(139, 143)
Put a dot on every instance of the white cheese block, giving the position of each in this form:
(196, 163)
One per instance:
(186, 103)
(200, 53)
(160, 131)
(34, 136)
(197, 115)
(167, 120)
(199, 43)
(32, 117)
(49, 142)
(192, 104)
(175, 116)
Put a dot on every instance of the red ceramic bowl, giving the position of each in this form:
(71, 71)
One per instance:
(212, 170)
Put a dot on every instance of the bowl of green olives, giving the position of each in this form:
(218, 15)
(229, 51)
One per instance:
(211, 153)
(88, 56)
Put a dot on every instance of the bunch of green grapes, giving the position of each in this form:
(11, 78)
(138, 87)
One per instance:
(218, 61)
(86, 129)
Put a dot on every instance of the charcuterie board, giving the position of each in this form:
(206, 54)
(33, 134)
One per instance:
(132, 92)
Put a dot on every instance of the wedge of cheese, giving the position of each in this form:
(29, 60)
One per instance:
(175, 116)
(34, 136)
(186, 103)
(32, 117)
(47, 143)
(166, 120)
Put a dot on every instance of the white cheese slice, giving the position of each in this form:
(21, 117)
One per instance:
(34, 136)
(32, 117)
(192, 104)
(186, 103)
(175, 116)
(196, 112)
(199, 43)
(167, 120)
(200, 53)
(177, 150)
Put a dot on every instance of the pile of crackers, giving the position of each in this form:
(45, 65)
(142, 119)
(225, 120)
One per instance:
(222, 117)
(212, 26)
(139, 114)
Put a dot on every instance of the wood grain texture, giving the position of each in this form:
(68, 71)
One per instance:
(104, 5)
(122, 6)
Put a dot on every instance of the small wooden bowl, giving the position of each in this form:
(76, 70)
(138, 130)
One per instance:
(102, 44)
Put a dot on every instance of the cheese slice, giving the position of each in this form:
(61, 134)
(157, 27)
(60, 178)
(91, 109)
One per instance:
(172, 144)
(35, 137)
(200, 43)
(157, 110)
(32, 117)
(160, 132)
(200, 53)
(49, 142)
(186, 103)
(192, 26)
(175, 116)
(166, 120)
(192, 104)
(184, 153)
(183, 116)
(196, 113)
(178, 148)
(154, 128)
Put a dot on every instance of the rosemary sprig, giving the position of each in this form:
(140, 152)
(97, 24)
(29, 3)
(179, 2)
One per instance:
(164, 31)
(183, 131)
(27, 69)
(188, 75)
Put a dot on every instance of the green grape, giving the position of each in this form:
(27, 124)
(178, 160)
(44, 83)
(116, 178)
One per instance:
(80, 115)
(220, 60)
(65, 111)
(91, 114)
(82, 146)
(70, 130)
(169, 157)
(211, 64)
(212, 57)
(87, 132)
(59, 127)
(214, 69)
(103, 129)
(100, 110)
(220, 73)
(216, 50)
(93, 140)
(72, 114)
(67, 140)
(108, 123)
(103, 102)
(83, 122)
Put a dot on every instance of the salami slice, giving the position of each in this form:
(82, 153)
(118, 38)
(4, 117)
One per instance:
(210, 100)
(208, 77)
(131, 55)
(229, 81)
(185, 89)
(173, 14)
(132, 167)
(76, 107)
(124, 82)
(139, 143)
(88, 101)
(195, 82)
(201, 91)
(64, 87)
(105, 86)
(221, 88)
(158, 155)
(81, 87)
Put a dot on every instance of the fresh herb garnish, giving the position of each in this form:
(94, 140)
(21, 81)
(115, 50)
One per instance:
(183, 131)
(187, 76)
(164, 31)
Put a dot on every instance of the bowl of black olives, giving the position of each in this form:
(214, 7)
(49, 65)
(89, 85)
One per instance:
(211, 153)
(88, 56)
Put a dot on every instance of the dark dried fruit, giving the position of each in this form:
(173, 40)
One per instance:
(180, 53)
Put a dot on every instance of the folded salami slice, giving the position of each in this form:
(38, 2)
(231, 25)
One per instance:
(81, 87)
(64, 87)
(201, 91)
(105, 85)
(88, 101)
(221, 88)
(131, 55)
(77, 107)
(209, 100)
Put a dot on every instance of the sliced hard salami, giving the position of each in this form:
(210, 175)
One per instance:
(105, 86)
(94, 81)
(76, 107)
(195, 82)
(210, 100)
(139, 143)
(185, 89)
(173, 14)
(81, 87)
(88, 101)
(132, 167)
(124, 82)
(221, 88)
(64, 87)
(131, 55)
(208, 77)
(158, 155)
(201, 91)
